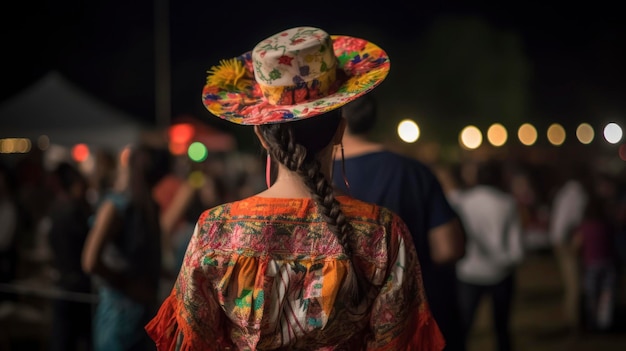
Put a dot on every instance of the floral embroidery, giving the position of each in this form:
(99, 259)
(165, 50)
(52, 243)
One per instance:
(285, 60)
(267, 274)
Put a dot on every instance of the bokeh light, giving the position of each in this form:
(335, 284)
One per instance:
(80, 152)
(196, 179)
(613, 133)
(471, 137)
(15, 145)
(527, 134)
(556, 134)
(181, 133)
(497, 134)
(177, 148)
(43, 142)
(585, 133)
(197, 151)
(408, 131)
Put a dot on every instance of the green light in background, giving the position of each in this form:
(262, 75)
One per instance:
(197, 151)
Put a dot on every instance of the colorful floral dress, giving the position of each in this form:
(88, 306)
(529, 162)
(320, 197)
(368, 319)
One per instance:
(267, 274)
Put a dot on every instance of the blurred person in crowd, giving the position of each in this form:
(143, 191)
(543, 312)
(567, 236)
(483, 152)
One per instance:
(449, 176)
(9, 224)
(183, 196)
(409, 188)
(566, 214)
(297, 266)
(494, 249)
(33, 197)
(595, 239)
(534, 213)
(103, 176)
(69, 214)
(620, 219)
(172, 193)
(123, 253)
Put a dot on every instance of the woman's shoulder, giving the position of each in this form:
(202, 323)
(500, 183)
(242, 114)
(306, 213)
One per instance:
(362, 211)
(216, 212)
(253, 206)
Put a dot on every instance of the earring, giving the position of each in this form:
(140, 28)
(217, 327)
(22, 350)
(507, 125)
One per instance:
(343, 170)
(268, 171)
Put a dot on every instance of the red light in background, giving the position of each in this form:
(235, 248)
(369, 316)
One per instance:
(622, 152)
(177, 148)
(181, 133)
(80, 152)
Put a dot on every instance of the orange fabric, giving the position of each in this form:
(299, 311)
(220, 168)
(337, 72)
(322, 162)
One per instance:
(268, 274)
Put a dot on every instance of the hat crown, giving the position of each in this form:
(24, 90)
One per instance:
(294, 58)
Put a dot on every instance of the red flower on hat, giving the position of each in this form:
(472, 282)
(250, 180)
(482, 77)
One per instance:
(350, 44)
(297, 41)
(285, 60)
(301, 94)
(211, 90)
(286, 97)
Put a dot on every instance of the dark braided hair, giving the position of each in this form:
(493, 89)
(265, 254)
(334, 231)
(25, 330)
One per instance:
(296, 145)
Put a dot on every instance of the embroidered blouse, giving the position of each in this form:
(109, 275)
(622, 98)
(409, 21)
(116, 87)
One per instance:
(268, 274)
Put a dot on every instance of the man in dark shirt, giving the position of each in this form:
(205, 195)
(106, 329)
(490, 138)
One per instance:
(409, 188)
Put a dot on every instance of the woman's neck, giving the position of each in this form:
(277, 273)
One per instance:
(289, 184)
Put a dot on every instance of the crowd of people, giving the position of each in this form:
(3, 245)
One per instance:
(340, 243)
(96, 249)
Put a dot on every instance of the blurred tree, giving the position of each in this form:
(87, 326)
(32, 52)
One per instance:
(462, 71)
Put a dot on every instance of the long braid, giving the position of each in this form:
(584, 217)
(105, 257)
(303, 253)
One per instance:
(294, 156)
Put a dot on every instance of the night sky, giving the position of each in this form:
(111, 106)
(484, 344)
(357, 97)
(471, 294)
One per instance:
(577, 51)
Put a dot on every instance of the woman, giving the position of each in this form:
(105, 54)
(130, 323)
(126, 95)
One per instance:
(297, 266)
(123, 252)
(594, 239)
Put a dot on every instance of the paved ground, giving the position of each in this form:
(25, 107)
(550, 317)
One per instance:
(537, 323)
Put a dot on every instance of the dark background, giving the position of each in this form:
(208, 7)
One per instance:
(574, 52)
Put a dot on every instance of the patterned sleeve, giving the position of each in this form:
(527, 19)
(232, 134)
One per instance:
(401, 318)
(190, 318)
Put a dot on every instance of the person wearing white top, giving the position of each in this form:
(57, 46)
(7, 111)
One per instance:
(494, 249)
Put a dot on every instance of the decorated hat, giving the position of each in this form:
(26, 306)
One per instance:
(295, 74)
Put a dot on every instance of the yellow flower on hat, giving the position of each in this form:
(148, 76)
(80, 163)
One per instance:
(356, 84)
(229, 74)
(363, 82)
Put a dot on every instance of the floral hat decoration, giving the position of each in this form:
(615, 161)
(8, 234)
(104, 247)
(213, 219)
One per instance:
(295, 74)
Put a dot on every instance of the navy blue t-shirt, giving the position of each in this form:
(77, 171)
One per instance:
(404, 185)
(410, 189)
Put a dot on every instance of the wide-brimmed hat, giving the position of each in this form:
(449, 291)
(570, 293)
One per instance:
(295, 74)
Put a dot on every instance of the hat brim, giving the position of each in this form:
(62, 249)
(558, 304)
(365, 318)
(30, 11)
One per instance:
(362, 66)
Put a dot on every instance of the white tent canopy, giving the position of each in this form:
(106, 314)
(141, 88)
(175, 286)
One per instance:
(55, 107)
